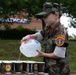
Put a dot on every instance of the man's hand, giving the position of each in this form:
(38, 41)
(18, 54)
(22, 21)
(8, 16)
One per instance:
(40, 54)
(49, 55)
(25, 39)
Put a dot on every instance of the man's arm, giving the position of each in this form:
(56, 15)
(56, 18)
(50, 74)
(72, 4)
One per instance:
(59, 52)
(49, 55)
(38, 36)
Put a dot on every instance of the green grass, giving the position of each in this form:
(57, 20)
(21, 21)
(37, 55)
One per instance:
(72, 56)
(9, 50)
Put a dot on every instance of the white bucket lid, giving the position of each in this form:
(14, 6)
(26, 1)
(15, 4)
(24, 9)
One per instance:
(29, 49)
(30, 61)
(17, 61)
(7, 61)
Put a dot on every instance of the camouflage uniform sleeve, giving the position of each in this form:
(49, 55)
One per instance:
(61, 37)
(61, 42)
(60, 51)
(39, 36)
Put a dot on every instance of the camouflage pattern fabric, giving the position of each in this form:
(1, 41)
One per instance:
(55, 66)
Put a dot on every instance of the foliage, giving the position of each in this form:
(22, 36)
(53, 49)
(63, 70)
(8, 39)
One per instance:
(16, 7)
(74, 36)
(19, 27)
(15, 33)
(70, 36)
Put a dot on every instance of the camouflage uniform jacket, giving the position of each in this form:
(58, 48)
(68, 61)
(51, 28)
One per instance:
(55, 66)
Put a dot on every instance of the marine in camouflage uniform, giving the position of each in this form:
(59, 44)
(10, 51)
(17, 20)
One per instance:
(55, 66)
(56, 37)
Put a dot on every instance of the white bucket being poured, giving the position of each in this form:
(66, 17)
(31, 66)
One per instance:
(29, 49)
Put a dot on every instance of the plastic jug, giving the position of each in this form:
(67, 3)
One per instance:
(29, 49)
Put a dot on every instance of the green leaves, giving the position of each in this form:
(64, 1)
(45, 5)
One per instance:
(32, 7)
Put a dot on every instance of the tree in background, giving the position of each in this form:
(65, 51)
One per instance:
(74, 36)
(28, 8)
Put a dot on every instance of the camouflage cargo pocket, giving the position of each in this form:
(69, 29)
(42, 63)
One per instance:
(66, 70)
(54, 71)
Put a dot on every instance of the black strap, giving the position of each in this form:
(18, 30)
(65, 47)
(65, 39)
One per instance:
(43, 23)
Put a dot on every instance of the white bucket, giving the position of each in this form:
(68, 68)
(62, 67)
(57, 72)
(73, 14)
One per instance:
(29, 49)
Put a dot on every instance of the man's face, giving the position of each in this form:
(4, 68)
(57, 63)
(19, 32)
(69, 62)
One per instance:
(50, 19)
